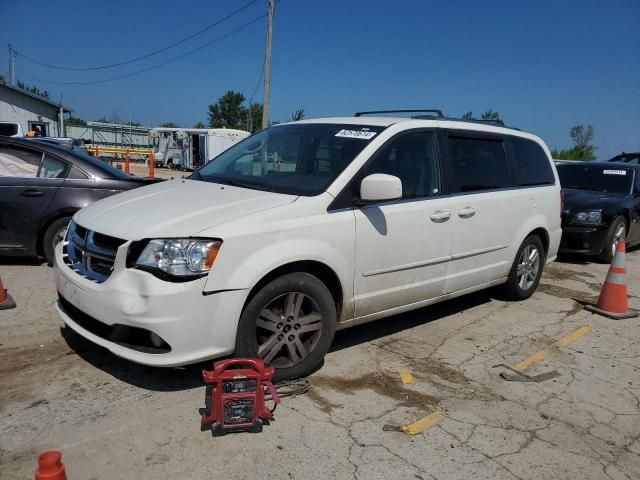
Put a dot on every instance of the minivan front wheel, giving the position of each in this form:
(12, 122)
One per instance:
(289, 323)
(526, 269)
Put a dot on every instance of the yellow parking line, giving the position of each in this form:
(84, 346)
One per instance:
(563, 342)
(405, 376)
(527, 362)
(573, 337)
(422, 424)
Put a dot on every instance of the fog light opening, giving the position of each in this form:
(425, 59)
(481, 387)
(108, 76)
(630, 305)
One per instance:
(156, 341)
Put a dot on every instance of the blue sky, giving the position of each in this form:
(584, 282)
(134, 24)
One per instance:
(544, 65)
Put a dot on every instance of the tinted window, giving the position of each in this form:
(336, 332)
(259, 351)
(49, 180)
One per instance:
(53, 167)
(477, 164)
(76, 174)
(597, 178)
(299, 159)
(19, 162)
(532, 164)
(413, 159)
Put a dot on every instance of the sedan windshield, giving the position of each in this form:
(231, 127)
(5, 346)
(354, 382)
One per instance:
(598, 178)
(298, 159)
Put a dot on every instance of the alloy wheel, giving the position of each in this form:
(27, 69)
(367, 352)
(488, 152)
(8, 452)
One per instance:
(288, 329)
(528, 267)
(618, 235)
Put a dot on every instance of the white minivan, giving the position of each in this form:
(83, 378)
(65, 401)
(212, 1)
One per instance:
(306, 228)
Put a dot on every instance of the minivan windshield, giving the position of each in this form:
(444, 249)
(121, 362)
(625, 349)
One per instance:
(297, 159)
(598, 178)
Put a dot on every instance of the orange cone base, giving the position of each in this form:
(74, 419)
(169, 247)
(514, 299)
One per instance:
(8, 302)
(630, 313)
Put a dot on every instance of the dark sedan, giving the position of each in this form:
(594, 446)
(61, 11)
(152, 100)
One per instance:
(601, 206)
(632, 158)
(42, 184)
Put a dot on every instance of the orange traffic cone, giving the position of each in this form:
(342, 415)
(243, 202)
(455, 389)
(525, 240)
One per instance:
(613, 301)
(6, 302)
(50, 466)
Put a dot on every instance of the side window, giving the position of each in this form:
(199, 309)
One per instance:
(413, 158)
(76, 174)
(19, 162)
(53, 167)
(477, 164)
(532, 163)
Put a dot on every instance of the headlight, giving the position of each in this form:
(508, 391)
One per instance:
(185, 258)
(588, 217)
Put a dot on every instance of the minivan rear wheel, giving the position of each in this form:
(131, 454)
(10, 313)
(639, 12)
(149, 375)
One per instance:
(290, 323)
(526, 270)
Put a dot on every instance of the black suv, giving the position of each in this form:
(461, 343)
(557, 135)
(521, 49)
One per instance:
(42, 184)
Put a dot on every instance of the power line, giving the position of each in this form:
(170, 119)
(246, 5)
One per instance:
(190, 52)
(151, 54)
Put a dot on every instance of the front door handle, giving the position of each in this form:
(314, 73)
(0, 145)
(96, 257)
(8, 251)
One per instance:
(467, 212)
(32, 192)
(439, 216)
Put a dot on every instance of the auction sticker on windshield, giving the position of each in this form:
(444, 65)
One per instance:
(362, 134)
(614, 172)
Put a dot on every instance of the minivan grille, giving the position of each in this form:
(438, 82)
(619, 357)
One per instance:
(90, 254)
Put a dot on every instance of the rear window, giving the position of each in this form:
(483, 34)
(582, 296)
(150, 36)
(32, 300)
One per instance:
(596, 178)
(532, 163)
(477, 164)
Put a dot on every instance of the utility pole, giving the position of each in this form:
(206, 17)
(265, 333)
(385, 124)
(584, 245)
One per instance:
(267, 67)
(12, 80)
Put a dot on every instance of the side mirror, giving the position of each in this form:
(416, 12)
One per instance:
(379, 187)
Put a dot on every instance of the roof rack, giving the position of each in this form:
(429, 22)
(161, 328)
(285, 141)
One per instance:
(438, 113)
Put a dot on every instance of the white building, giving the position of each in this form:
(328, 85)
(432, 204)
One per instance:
(31, 111)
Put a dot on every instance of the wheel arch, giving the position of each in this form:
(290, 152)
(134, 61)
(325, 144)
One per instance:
(543, 234)
(45, 225)
(313, 267)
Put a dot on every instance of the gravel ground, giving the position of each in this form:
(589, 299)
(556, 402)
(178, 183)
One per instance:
(113, 419)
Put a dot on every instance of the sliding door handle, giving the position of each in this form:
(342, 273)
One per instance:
(467, 212)
(439, 216)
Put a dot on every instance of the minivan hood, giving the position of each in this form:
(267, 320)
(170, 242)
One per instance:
(175, 208)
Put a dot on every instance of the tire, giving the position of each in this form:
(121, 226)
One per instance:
(266, 331)
(50, 235)
(516, 288)
(618, 231)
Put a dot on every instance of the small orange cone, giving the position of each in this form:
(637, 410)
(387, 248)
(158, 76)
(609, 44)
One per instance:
(50, 466)
(613, 301)
(6, 302)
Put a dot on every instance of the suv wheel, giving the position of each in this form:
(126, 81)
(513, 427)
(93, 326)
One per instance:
(290, 323)
(526, 270)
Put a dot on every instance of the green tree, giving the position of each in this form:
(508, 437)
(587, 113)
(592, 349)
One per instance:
(583, 149)
(256, 118)
(491, 115)
(169, 125)
(228, 111)
(297, 115)
(32, 89)
(75, 122)
(199, 125)
(487, 115)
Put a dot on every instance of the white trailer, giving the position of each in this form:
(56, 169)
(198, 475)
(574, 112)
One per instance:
(190, 148)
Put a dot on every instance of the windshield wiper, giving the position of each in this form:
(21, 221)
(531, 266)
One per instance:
(236, 183)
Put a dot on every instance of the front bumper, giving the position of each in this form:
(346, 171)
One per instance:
(121, 313)
(582, 240)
